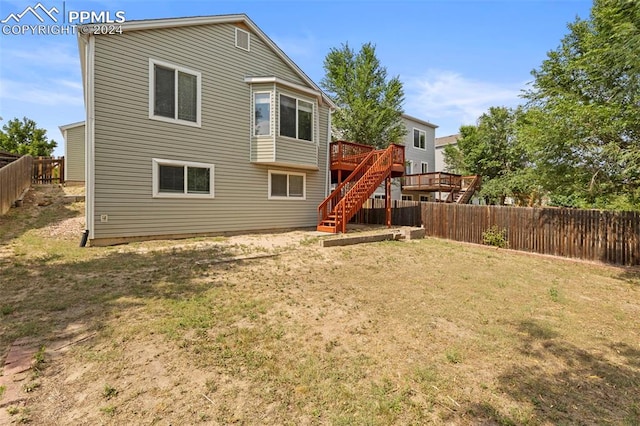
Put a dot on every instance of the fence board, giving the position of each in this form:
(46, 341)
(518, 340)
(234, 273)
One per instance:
(47, 170)
(15, 177)
(605, 236)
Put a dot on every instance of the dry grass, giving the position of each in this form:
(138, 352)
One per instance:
(386, 333)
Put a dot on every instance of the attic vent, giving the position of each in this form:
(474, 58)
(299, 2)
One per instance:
(242, 39)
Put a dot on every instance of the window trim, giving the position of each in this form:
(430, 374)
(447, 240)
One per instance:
(313, 115)
(253, 116)
(409, 164)
(424, 198)
(422, 168)
(152, 93)
(157, 162)
(406, 197)
(420, 131)
(288, 197)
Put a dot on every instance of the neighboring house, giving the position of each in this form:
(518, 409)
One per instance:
(419, 154)
(441, 143)
(199, 126)
(74, 152)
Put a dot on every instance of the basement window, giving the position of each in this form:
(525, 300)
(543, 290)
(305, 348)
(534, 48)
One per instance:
(177, 179)
(287, 185)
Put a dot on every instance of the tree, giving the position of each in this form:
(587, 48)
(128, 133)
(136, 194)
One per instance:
(585, 120)
(493, 150)
(24, 137)
(369, 107)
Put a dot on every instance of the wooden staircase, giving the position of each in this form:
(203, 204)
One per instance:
(339, 207)
(470, 184)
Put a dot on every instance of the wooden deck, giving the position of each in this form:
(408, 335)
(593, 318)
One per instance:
(432, 182)
(345, 156)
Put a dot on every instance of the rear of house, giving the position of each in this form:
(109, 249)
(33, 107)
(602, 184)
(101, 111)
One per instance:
(199, 126)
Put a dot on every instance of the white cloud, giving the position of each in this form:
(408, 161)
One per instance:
(450, 99)
(52, 55)
(50, 92)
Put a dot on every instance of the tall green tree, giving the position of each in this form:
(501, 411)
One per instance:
(369, 104)
(493, 150)
(25, 137)
(585, 110)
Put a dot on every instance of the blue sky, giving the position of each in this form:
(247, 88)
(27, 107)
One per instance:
(456, 58)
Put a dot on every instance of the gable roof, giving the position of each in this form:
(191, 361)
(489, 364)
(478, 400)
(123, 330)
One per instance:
(152, 24)
(447, 140)
(417, 120)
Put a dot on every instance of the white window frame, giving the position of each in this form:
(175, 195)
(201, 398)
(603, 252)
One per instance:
(253, 116)
(288, 197)
(420, 132)
(152, 93)
(378, 196)
(424, 167)
(406, 197)
(424, 198)
(313, 115)
(409, 165)
(248, 49)
(157, 162)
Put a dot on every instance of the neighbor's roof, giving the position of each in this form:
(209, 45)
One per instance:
(447, 140)
(152, 24)
(70, 126)
(417, 120)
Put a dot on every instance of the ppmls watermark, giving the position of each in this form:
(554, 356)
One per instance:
(40, 20)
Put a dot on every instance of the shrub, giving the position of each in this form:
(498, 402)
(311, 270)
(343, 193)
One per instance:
(495, 237)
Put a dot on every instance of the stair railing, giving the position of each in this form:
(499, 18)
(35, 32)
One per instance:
(329, 204)
(353, 199)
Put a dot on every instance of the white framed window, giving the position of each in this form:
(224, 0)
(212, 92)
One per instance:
(424, 198)
(175, 93)
(424, 167)
(182, 179)
(262, 114)
(407, 197)
(378, 196)
(419, 139)
(296, 118)
(287, 185)
(243, 39)
(408, 167)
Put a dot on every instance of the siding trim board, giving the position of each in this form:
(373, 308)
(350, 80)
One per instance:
(89, 78)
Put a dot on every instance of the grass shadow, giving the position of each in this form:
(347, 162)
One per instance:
(567, 384)
(43, 296)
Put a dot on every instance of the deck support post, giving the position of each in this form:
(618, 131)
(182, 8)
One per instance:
(387, 200)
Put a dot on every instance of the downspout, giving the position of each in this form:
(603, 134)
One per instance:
(88, 44)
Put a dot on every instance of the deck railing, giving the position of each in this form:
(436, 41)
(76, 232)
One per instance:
(351, 153)
(446, 181)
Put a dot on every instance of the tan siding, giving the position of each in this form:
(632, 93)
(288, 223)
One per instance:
(74, 160)
(126, 139)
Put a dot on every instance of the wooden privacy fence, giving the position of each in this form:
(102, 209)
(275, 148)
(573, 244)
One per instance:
(405, 213)
(48, 170)
(605, 236)
(15, 177)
